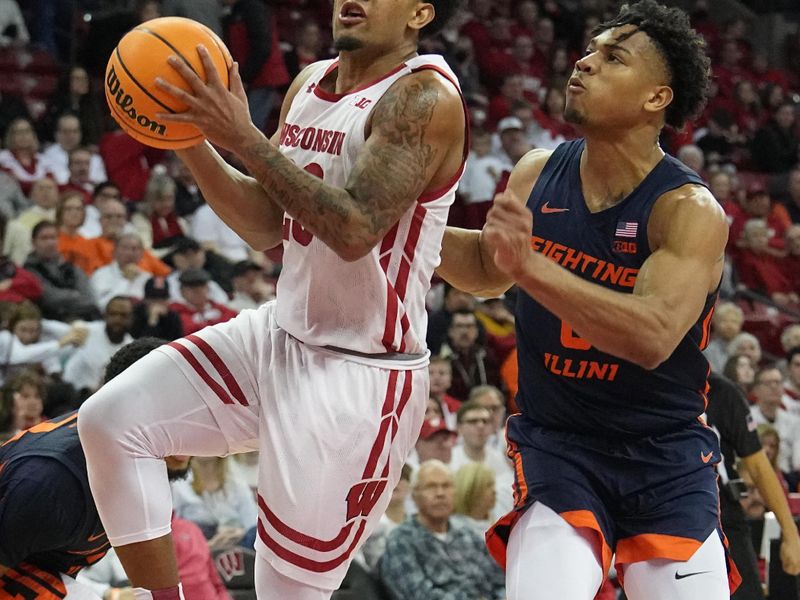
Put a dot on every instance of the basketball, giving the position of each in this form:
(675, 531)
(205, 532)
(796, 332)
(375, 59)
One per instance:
(141, 57)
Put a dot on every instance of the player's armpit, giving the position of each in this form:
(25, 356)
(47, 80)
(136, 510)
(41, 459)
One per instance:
(416, 142)
(466, 264)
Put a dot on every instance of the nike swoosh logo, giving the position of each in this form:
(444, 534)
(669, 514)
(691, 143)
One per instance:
(685, 575)
(546, 210)
(98, 536)
(706, 457)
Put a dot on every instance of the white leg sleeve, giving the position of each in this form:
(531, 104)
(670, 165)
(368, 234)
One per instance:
(271, 584)
(548, 559)
(148, 412)
(704, 575)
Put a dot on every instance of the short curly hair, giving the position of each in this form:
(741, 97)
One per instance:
(683, 50)
(129, 354)
(445, 9)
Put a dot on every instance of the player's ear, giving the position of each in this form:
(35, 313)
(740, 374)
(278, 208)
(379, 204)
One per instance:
(659, 99)
(424, 13)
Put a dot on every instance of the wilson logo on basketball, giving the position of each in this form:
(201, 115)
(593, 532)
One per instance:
(125, 103)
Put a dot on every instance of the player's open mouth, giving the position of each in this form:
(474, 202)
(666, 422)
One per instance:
(351, 13)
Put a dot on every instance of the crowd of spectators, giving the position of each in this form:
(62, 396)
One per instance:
(105, 240)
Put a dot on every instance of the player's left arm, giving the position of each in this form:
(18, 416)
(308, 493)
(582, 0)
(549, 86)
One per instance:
(416, 142)
(687, 231)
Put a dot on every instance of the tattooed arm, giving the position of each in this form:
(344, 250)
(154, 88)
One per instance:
(415, 144)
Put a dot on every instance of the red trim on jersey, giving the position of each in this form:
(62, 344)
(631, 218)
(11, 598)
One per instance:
(707, 329)
(409, 250)
(404, 397)
(392, 306)
(439, 192)
(307, 563)
(333, 97)
(190, 358)
(221, 367)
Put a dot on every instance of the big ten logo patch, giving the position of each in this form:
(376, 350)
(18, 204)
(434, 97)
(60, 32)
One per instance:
(363, 497)
(230, 564)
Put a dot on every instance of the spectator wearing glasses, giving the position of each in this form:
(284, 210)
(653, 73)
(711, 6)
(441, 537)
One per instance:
(768, 390)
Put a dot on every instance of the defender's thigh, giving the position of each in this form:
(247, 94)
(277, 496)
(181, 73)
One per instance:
(549, 559)
(704, 575)
(334, 437)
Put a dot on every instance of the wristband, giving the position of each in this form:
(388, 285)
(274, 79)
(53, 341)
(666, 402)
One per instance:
(172, 593)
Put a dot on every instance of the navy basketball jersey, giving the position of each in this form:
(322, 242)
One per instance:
(564, 382)
(62, 532)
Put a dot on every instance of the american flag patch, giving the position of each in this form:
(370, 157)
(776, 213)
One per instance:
(626, 229)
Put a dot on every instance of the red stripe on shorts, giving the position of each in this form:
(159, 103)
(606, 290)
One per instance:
(221, 367)
(301, 538)
(190, 358)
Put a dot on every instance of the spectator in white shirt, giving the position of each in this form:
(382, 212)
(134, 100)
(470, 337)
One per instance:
(726, 324)
(17, 243)
(84, 369)
(188, 254)
(481, 175)
(68, 136)
(768, 390)
(122, 277)
(21, 157)
(91, 228)
(250, 289)
(213, 234)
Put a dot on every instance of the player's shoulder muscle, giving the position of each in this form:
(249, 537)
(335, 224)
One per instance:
(526, 172)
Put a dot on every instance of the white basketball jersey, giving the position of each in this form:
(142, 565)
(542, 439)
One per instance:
(374, 305)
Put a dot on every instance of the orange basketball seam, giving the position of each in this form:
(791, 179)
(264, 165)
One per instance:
(138, 84)
(171, 47)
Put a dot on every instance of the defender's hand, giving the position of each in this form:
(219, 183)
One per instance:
(507, 234)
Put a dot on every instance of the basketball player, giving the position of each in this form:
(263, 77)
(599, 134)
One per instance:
(49, 527)
(618, 251)
(329, 382)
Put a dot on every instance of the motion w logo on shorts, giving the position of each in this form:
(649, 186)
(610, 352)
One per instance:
(362, 498)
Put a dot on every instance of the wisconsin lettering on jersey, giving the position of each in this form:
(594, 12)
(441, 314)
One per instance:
(311, 138)
(578, 260)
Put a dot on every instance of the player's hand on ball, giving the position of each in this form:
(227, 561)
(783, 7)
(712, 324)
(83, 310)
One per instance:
(790, 555)
(222, 115)
(507, 234)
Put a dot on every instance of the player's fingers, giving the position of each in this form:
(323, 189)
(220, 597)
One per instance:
(177, 93)
(212, 76)
(189, 75)
(184, 117)
(237, 87)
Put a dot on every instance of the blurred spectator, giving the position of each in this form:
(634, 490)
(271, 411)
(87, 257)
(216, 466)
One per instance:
(728, 69)
(250, 289)
(70, 214)
(21, 157)
(791, 385)
(759, 265)
(551, 115)
(213, 234)
(740, 369)
(107, 578)
(790, 337)
(207, 12)
(512, 90)
(492, 399)
(692, 156)
(481, 175)
(560, 68)
(79, 164)
(68, 138)
(13, 31)
(197, 310)
(84, 369)
(473, 363)
(12, 107)
(475, 494)
(216, 500)
(752, 502)
(771, 443)
(791, 262)
(128, 162)
(16, 284)
(792, 197)
(99, 251)
(74, 95)
(477, 26)
(375, 545)
(775, 145)
(123, 276)
(475, 427)
(746, 343)
(152, 316)
(252, 37)
(721, 139)
(439, 321)
(12, 200)
(498, 324)
(188, 197)
(510, 135)
(748, 113)
(441, 378)
(23, 399)
(308, 48)
(22, 345)
(160, 226)
(189, 255)
(527, 17)
(106, 190)
(436, 553)
(197, 570)
(768, 390)
(17, 241)
(726, 324)
(773, 97)
(66, 294)
(435, 442)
